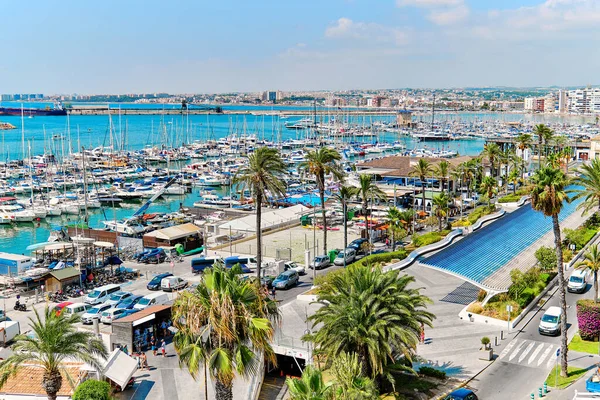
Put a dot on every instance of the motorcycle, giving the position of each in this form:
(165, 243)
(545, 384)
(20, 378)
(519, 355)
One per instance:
(19, 306)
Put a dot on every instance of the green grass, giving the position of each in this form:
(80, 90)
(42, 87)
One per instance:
(583, 346)
(573, 373)
(511, 198)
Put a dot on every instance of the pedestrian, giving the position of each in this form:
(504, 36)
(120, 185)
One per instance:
(163, 348)
(164, 326)
(144, 360)
(422, 338)
(273, 292)
(153, 344)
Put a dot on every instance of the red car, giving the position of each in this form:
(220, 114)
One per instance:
(60, 306)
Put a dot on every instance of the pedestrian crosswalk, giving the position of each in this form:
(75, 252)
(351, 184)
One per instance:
(530, 353)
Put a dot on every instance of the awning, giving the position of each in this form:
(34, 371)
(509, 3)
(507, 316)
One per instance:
(120, 368)
(58, 246)
(175, 232)
(107, 245)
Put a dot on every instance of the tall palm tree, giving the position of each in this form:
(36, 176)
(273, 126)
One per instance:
(366, 190)
(406, 218)
(493, 153)
(548, 135)
(440, 207)
(587, 185)
(422, 169)
(262, 176)
(523, 142)
(489, 186)
(310, 387)
(56, 341)
(514, 177)
(442, 171)
(377, 315)
(591, 261)
(548, 196)
(541, 131)
(394, 217)
(226, 324)
(344, 195)
(349, 384)
(320, 163)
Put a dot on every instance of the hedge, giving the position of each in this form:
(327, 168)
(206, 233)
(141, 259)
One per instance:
(383, 257)
(432, 372)
(426, 239)
(588, 318)
(511, 198)
(480, 212)
(92, 390)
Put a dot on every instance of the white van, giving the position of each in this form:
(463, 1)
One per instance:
(152, 299)
(550, 321)
(171, 283)
(101, 294)
(577, 282)
(75, 309)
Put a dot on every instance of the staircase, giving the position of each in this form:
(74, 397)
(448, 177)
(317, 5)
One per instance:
(273, 388)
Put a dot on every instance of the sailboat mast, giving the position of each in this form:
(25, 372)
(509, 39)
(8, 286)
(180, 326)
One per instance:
(22, 132)
(85, 193)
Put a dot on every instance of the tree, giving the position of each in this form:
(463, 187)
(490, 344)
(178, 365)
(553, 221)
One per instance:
(229, 321)
(442, 171)
(92, 390)
(422, 169)
(262, 176)
(591, 261)
(349, 383)
(546, 257)
(587, 185)
(310, 387)
(366, 190)
(440, 207)
(523, 142)
(344, 195)
(320, 163)
(55, 341)
(489, 186)
(548, 196)
(493, 153)
(541, 131)
(394, 217)
(372, 313)
(514, 177)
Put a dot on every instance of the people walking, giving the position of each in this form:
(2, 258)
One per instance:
(163, 348)
(422, 337)
(153, 344)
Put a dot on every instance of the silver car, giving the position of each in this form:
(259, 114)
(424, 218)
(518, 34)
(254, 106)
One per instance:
(349, 255)
(298, 268)
(320, 262)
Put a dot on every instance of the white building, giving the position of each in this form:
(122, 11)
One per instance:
(584, 101)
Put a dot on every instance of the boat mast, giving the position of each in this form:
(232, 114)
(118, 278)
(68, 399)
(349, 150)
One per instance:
(85, 194)
(433, 112)
(22, 132)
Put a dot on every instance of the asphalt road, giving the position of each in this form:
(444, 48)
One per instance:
(524, 363)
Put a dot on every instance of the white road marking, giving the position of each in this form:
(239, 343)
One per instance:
(527, 350)
(552, 358)
(544, 355)
(517, 350)
(536, 352)
(507, 349)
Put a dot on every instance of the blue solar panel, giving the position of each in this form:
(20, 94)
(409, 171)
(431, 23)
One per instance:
(483, 252)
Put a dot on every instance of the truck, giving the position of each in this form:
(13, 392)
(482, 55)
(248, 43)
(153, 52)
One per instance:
(8, 331)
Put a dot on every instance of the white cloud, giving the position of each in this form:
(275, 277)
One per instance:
(440, 12)
(345, 28)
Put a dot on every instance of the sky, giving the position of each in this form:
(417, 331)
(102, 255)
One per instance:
(200, 46)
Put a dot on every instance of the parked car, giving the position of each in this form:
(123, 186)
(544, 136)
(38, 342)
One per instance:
(286, 280)
(154, 283)
(577, 281)
(101, 294)
(349, 255)
(172, 283)
(76, 309)
(60, 306)
(111, 314)
(129, 302)
(125, 313)
(152, 299)
(320, 262)
(357, 243)
(94, 313)
(461, 394)
(292, 265)
(118, 297)
(550, 321)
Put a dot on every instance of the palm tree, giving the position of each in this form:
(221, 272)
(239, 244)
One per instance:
(310, 387)
(548, 196)
(349, 384)
(493, 153)
(422, 169)
(320, 163)
(366, 190)
(440, 207)
(523, 142)
(442, 171)
(56, 341)
(394, 217)
(514, 178)
(377, 315)
(591, 261)
(262, 176)
(489, 187)
(406, 217)
(587, 185)
(541, 131)
(226, 324)
(344, 195)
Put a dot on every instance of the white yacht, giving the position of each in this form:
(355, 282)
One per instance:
(11, 211)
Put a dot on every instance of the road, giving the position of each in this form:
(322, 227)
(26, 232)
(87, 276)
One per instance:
(523, 365)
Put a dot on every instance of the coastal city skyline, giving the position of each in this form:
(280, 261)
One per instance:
(188, 47)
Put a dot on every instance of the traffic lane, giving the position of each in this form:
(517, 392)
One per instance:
(503, 380)
(305, 284)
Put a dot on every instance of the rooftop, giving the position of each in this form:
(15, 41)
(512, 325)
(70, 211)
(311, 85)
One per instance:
(28, 380)
(141, 314)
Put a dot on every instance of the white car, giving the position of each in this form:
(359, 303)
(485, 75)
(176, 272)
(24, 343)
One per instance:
(298, 268)
(111, 314)
(118, 297)
(94, 313)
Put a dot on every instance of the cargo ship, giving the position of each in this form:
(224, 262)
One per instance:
(58, 110)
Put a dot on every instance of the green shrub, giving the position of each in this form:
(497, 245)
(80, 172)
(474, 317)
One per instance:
(526, 297)
(432, 372)
(511, 198)
(593, 222)
(461, 223)
(383, 257)
(92, 390)
(485, 341)
(579, 237)
(480, 212)
(546, 257)
(481, 295)
(426, 239)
